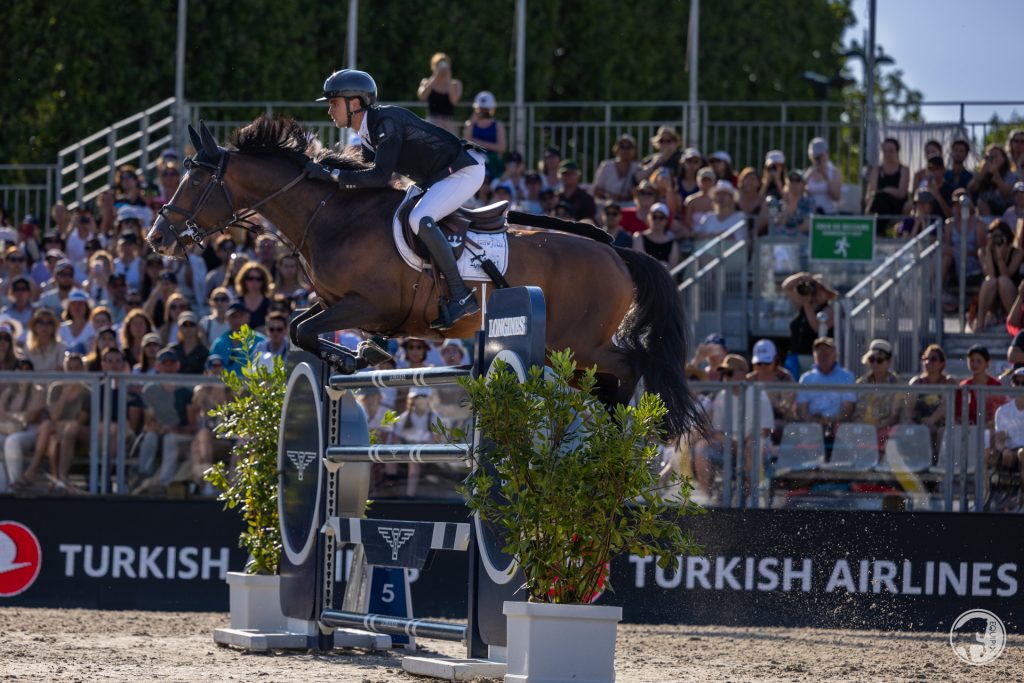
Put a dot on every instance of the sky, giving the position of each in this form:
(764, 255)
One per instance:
(952, 50)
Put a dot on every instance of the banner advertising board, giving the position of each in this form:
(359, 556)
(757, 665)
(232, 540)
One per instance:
(876, 570)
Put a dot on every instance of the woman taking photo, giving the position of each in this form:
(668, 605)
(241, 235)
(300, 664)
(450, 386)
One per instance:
(812, 299)
(441, 92)
(1000, 263)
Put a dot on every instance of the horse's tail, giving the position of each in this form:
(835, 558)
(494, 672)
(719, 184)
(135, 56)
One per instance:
(654, 336)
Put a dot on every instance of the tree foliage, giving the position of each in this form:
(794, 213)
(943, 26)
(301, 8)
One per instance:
(73, 68)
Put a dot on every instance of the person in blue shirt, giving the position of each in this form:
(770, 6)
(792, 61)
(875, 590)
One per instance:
(825, 407)
(226, 347)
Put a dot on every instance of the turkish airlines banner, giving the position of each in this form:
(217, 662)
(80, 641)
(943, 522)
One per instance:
(875, 570)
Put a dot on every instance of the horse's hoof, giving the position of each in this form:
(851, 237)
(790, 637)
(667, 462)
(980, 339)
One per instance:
(371, 354)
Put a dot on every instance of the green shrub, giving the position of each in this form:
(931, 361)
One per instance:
(575, 482)
(253, 416)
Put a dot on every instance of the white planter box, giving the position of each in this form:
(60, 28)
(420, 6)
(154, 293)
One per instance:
(558, 643)
(255, 602)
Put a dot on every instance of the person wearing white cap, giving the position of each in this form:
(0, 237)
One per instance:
(882, 409)
(76, 332)
(773, 177)
(767, 368)
(721, 162)
(824, 184)
(725, 216)
(486, 131)
(689, 164)
(659, 240)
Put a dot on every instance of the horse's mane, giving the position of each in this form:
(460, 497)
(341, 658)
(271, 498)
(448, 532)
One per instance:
(287, 138)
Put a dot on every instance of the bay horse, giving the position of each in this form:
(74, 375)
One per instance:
(615, 308)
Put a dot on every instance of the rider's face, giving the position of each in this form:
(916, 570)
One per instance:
(338, 112)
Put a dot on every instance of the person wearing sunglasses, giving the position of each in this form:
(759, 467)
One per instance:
(252, 289)
(276, 345)
(827, 408)
(882, 409)
(215, 323)
(19, 304)
(190, 345)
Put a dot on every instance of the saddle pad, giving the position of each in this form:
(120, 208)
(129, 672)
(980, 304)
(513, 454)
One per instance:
(492, 246)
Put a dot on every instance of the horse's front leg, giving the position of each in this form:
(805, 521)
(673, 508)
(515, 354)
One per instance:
(348, 313)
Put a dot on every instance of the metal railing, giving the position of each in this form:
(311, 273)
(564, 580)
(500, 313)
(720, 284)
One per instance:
(955, 480)
(900, 301)
(87, 168)
(109, 447)
(27, 189)
(713, 284)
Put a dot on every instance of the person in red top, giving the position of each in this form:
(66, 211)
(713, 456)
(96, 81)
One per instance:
(977, 362)
(634, 219)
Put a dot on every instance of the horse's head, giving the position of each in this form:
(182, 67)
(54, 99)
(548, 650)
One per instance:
(202, 203)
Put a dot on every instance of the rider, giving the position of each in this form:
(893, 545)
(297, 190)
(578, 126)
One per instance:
(448, 169)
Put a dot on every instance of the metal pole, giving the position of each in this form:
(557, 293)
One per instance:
(694, 40)
(353, 25)
(520, 127)
(178, 133)
(869, 88)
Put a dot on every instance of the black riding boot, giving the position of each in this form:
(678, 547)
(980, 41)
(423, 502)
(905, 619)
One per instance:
(462, 302)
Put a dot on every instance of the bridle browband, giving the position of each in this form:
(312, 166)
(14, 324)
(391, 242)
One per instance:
(196, 234)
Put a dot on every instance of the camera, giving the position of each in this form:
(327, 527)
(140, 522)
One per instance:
(442, 65)
(998, 240)
(805, 288)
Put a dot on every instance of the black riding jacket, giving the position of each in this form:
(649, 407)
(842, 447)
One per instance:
(404, 143)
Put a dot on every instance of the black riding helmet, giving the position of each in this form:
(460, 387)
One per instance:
(350, 83)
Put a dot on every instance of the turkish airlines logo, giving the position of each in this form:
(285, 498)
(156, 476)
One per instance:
(20, 558)
(395, 538)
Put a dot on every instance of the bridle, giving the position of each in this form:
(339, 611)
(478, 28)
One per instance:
(196, 234)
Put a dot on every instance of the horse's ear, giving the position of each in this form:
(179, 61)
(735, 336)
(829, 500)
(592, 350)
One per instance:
(197, 143)
(209, 144)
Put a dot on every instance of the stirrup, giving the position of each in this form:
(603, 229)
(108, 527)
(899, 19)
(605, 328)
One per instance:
(454, 310)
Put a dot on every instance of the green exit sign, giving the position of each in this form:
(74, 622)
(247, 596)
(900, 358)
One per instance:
(842, 238)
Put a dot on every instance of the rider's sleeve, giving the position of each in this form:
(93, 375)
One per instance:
(387, 136)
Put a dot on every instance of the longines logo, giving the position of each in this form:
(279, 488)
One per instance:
(395, 538)
(301, 460)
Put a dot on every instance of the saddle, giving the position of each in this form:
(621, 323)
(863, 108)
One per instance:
(490, 219)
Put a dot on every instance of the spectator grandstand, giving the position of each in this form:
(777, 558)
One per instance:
(85, 306)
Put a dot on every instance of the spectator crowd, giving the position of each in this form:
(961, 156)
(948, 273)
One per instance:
(87, 295)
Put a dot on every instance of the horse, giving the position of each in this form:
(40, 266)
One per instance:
(617, 309)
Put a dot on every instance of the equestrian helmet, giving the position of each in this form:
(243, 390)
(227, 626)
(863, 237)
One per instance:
(350, 83)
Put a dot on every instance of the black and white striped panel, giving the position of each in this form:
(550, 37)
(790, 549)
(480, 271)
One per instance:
(409, 377)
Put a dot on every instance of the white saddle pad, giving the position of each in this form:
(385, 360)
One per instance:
(493, 246)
